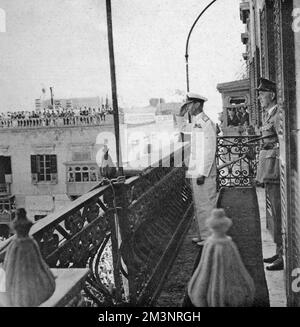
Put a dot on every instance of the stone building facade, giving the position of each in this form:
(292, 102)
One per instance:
(45, 167)
(45, 164)
(272, 31)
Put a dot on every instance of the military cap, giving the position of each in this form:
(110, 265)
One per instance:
(266, 85)
(191, 98)
(195, 97)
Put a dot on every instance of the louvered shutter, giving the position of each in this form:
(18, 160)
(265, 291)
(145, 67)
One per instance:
(34, 168)
(53, 164)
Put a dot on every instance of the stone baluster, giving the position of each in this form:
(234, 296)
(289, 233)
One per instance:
(221, 279)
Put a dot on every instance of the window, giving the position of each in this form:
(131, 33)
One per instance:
(85, 173)
(44, 168)
(267, 55)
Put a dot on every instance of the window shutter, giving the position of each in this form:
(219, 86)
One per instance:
(7, 166)
(53, 164)
(33, 164)
(264, 48)
(34, 169)
(39, 158)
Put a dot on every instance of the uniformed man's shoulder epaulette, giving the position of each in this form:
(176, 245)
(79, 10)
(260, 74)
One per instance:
(205, 118)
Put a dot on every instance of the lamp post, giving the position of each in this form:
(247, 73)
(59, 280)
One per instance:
(187, 45)
(114, 86)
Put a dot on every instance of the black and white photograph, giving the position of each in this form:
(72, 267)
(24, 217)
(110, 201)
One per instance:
(149, 157)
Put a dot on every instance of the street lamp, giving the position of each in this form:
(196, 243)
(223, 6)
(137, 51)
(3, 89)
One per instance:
(187, 45)
(114, 86)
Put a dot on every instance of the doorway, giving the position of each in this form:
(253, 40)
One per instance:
(5, 169)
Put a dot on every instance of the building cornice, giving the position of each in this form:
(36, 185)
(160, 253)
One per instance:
(239, 85)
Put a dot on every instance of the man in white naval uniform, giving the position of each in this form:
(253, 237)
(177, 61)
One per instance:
(202, 165)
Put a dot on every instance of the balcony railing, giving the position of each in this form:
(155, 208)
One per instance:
(91, 120)
(127, 234)
(242, 172)
(4, 188)
(245, 38)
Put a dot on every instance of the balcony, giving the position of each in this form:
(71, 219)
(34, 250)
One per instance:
(245, 38)
(243, 170)
(144, 221)
(4, 189)
(154, 210)
(245, 56)
(244, 11)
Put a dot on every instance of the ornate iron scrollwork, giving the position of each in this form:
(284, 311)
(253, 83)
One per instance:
(149, 212)
(243, 152)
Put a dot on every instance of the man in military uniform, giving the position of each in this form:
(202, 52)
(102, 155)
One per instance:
(268, 165)
(202, 166)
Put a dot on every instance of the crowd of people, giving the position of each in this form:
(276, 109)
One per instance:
(50, 116)
(238, 117)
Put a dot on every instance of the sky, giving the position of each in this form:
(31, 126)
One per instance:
(63, 44)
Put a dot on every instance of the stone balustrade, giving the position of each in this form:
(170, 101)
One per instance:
(90, 120)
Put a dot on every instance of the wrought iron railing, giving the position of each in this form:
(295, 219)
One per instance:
(243, 152)
(3, 188)
(153, 210)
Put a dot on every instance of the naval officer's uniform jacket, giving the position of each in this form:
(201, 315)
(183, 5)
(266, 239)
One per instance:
(202, 163)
